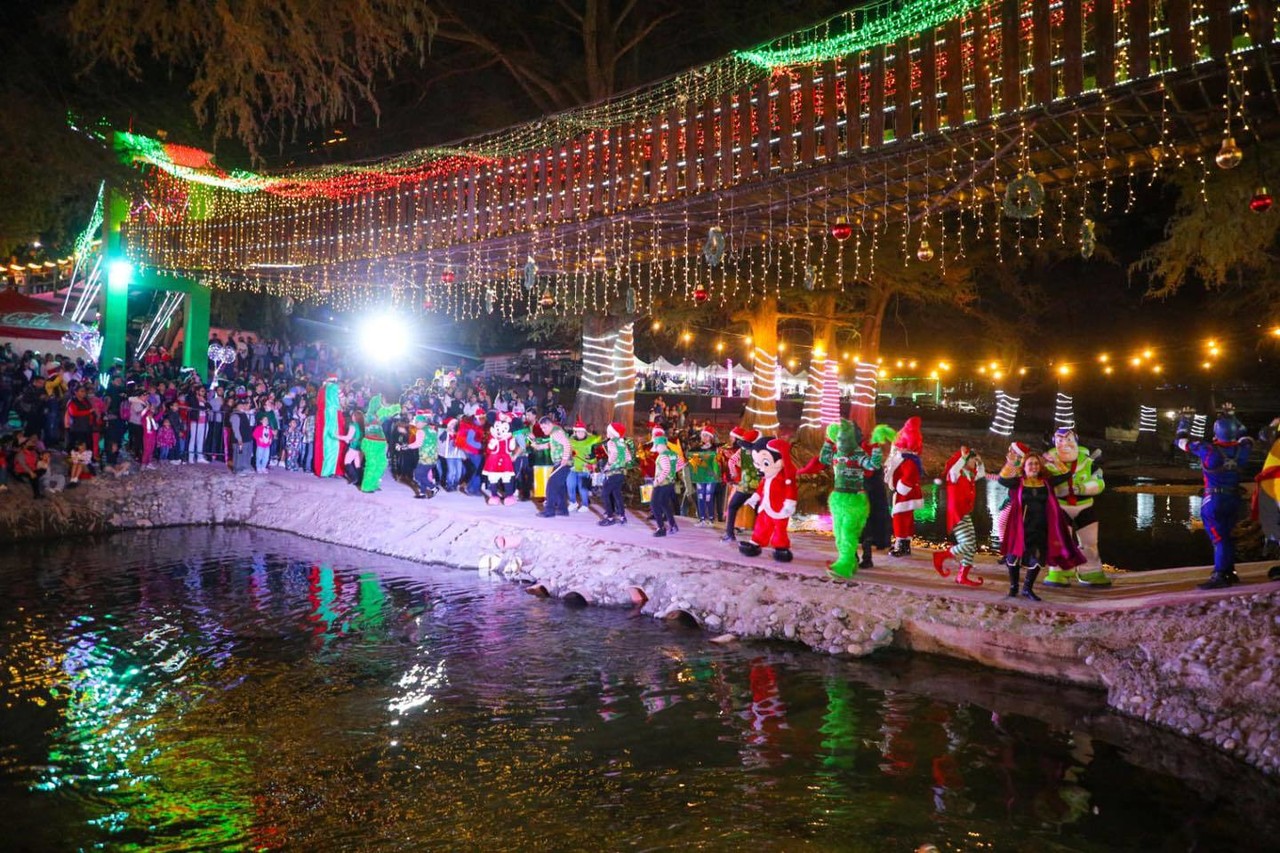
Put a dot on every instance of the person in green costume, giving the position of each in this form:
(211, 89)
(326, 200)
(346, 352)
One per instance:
(375, 443)
(842, 450)
(328, 431)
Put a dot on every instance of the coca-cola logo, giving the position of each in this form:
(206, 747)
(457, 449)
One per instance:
(27, 319)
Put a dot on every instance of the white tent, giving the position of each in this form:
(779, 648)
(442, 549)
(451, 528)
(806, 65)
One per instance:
(661, 365)
(641, 367)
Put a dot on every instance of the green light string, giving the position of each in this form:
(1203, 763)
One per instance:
(84, 243)
(867, 27)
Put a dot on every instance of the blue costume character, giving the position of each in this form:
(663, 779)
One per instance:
(1220, 461)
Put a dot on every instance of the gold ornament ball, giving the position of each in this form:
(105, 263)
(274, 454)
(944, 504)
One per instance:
(1229, 155)
(925, 252)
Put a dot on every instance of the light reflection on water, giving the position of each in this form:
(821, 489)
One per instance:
(184, 689)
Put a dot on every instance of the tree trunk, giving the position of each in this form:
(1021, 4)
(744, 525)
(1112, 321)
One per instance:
(597, 392)
(762, 406)
(1004, 420)
(824, 379)
(866, 381)
(624, 371)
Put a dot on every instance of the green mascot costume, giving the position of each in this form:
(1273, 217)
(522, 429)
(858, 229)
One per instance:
(843, 451)
(375, 443)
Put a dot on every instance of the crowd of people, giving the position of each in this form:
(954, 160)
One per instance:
(300, 408)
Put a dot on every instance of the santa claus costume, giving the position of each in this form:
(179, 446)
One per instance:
(774, 500)
(904, 481)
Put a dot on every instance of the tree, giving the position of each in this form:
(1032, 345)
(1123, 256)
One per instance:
(1213, 238)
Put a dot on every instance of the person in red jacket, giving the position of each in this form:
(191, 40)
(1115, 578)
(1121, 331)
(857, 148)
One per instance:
(774, 500)
(470, 439)
(904, 482)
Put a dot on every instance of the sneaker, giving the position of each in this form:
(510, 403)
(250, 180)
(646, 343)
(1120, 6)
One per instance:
(581, 508)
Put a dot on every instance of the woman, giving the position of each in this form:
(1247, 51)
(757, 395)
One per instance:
(353, 462)
(1038, 532)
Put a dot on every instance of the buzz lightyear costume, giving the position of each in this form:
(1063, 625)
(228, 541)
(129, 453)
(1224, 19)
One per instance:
(1075, 496)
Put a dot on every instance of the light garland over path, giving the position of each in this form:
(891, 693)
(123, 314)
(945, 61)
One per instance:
(799, 155)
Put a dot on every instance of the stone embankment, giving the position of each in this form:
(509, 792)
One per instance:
(1204, 665)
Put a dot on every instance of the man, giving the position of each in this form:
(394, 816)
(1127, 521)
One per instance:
(470, 439)
(583, 445)
(556, 443)
(618, 458)
(79, 419)
(242, 437)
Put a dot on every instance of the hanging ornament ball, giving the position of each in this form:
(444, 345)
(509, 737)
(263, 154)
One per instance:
(1088, 239)
(1229, 155)
(631, 300)
(925, 252)
(1261, 201)
(448, 276)
(713, 248)
(599, 258)
(841, 230)
(428, 303)
(1023, 198)
(700, 294)
(547, 300)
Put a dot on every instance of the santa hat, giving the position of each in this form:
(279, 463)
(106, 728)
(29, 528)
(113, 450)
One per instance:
(578, 424)
(744, 434)
(448, 422)
(782, 447)
(504, 417)
(658, 433)
(617, 429)
(480, 413)
(909, 438)
(1019, 449)
(708, 431)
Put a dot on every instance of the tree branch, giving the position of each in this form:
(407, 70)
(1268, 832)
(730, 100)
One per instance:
(643, 34)
(573, 13)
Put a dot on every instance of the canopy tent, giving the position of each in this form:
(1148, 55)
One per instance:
(33, 324)
(661, 365)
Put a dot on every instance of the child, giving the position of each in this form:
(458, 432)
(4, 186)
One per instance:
(964, 468)
(293, 445)
(667, 464)
(80, 459)
(150, 426)
(166, 438)
(1037, 531)
(263, 435)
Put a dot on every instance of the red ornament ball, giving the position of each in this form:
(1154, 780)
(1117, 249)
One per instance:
(841, 230)
(448, 276)
(700, 294)
(428, 304)
(1261, 201)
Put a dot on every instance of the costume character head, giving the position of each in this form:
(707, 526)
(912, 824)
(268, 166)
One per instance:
(772, 457)
(845, 435)
(501, 427)
(1065, 444)
(909, 439)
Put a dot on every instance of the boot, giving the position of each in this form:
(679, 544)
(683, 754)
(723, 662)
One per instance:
(1015, 570)
(939, 564)
(782, 555)
(962, 577)
(901, 548)
(1220, 580)
(1030, 582)
(865, 562)
(749, 549)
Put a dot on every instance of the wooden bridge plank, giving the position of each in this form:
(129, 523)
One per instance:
(954, 83)
(853, 103)
(691, 148)
(726, 139)
(742, 109)
(786, 122)
(902, 124)
(808, 121)
(1041, 69)
(981, 67)
(1010, 64)
(1177, 15)
(1139, 38)
(1104, 43)
(710, 148)
(598, 161)
(928, 81)
(764, 130)
(655, 159)
(1073, 48)
(672, 155)
(875, 120)
(830, 111)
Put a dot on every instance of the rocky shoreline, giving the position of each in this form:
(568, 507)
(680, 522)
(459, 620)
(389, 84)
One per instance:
(1204, 666)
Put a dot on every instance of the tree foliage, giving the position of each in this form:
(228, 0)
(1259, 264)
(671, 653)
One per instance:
(1215, 240)
(259, 69)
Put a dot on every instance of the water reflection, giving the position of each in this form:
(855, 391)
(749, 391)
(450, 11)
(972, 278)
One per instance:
(184, 689)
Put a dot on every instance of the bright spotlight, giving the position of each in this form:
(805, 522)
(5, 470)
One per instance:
(119, 274)
(384, 337)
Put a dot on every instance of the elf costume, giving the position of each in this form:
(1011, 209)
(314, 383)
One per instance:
(904, 479)
(850, 464)
(964, 469)
(618, 458)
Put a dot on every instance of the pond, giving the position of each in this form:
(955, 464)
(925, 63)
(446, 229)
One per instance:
(224, 689)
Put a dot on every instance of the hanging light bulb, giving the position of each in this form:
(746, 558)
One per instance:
(1261, 201)
(925, 252)
(547, 299)
(448, 276)
(700, 293)
(1229, 155)
(841, 230)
